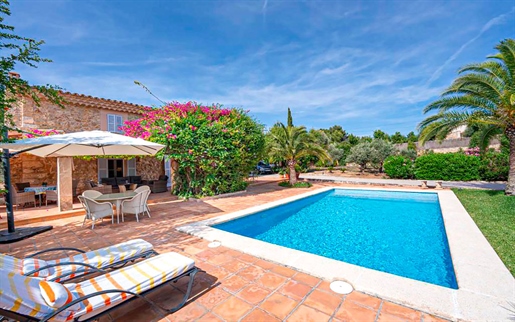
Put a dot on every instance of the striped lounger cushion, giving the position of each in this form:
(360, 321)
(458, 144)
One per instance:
(98, 258)
(24, 294)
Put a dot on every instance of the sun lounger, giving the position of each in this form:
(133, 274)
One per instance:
(31, 299)
(67, 268)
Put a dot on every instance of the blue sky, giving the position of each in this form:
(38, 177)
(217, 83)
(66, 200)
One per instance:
(364, 65)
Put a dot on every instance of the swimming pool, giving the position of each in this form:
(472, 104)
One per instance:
(401, 233)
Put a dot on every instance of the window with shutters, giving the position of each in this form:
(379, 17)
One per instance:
(114, 122)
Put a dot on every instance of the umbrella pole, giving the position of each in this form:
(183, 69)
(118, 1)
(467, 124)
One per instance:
(8, 195)
(12, 235)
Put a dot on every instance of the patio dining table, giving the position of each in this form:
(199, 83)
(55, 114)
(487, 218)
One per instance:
(40, 190)
(117, 198)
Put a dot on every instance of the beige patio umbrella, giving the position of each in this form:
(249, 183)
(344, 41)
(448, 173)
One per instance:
(65, 146)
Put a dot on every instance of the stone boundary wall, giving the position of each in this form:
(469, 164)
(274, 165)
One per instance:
(447, 146)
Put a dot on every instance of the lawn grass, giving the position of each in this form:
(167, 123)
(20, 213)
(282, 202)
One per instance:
(494, 214)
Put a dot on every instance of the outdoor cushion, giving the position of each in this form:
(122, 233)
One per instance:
(135, 179)
(22, 266)
(22, 294)
(121, 180)
(109, 181)
(31, 264)
(137, 278)
(57, 295)
(97, 258)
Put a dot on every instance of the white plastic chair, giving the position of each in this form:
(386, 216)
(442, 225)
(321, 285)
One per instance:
(148, 191)
(136, 205)
(96, 210)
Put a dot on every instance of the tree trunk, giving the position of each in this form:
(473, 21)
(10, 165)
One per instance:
(510, 185)
(174, 165)
(293, 174)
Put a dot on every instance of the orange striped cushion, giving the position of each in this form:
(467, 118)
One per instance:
(57, 295)
(30, 264)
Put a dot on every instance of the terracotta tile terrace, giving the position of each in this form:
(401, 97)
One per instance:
(235, 286)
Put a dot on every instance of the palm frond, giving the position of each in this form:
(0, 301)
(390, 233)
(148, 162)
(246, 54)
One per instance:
(487, 133)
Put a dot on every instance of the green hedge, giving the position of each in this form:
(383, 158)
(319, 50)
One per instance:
(399, 167)
(447, 167)
(491, 166)
(494, 166)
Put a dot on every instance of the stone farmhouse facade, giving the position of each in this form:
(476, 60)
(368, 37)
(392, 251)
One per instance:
(81, 113)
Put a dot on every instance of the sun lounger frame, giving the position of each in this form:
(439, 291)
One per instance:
(81, 273)
(191, 273)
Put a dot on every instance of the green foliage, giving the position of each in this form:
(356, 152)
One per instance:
(412, 146)
(373, 153)
(290, 118)
(381, 150)
(336, 133)
(399, 167)
(293, 143)
(380, 135)
(213, 149)
(447, 166)
(412, 137)
(408, 153)
(299, 184)
(398, 138)
(494, 215)
(361, 154)
(494, 166)
(482, 95)
(16, 50)
(337, 154)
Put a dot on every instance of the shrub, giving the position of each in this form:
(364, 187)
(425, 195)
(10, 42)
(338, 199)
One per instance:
(447, 166)
(370, 153)
(212, 148)
(399, 167)
(298, 184)
(494, 166)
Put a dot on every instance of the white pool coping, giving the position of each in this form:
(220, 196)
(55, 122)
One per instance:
(486, 287)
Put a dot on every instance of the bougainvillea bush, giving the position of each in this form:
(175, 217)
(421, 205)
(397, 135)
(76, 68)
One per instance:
(212, 148)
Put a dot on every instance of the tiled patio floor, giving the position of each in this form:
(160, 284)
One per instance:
(236, 286)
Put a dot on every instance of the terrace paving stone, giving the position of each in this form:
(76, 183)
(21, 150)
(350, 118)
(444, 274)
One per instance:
(351, 311)
(234, 283)
(210, 317)
(235, 286)
(364, 300)
(402, 312)
(323, 302)
(251, 273)
(233, 309)
(295, 290)
(258, 315)
(235, 265)
(306, 313)
(213, 298)
(253, 294)
(307, 279)
(279, 305)
(271, 280)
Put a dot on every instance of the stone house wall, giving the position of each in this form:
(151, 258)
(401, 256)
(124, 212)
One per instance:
(74, 118)
(149, 168)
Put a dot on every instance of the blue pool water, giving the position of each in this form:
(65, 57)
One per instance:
(401, 233)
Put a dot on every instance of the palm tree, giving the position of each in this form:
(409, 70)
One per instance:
(291, 143)
(484, 95)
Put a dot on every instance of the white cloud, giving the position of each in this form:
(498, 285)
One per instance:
(500, 19)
